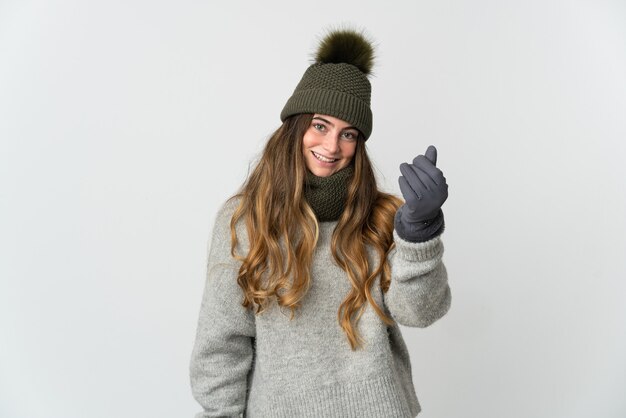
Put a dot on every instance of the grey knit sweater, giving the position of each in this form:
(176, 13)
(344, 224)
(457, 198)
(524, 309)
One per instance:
(267, 366)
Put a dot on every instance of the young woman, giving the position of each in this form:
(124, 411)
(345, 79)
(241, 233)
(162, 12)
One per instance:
(311, 268)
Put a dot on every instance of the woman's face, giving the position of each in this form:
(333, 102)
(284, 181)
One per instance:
(328, 145)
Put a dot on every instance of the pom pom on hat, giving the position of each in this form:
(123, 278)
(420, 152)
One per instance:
(346, 46)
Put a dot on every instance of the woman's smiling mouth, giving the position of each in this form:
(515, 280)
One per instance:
(324, 159)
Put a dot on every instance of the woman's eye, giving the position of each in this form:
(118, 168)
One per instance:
(319, 126)
(349, 135)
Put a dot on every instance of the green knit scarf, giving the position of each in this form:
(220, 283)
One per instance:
(327, 195)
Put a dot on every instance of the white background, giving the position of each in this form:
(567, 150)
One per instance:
(125, 124)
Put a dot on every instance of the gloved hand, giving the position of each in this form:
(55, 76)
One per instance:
(424, 189)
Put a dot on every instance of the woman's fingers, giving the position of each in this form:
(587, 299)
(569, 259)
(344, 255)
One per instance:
(429, 168)
(411, 197)
(431, 154)
(409, 173)
(423, 177)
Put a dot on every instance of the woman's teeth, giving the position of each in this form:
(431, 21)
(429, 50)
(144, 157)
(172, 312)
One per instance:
(324, 159)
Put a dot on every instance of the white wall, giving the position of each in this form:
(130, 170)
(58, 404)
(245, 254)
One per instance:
(125, 124)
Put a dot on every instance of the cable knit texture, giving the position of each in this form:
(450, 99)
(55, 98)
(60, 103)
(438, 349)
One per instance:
(327, 195)
(269, 366)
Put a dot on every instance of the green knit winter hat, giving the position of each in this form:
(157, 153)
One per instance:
(336, 83)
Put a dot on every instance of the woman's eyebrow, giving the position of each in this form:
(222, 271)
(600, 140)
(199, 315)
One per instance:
(324, 120)
(332, 124)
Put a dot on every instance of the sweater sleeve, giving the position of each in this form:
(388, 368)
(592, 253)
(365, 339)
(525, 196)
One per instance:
(223, 352)
(418, 293)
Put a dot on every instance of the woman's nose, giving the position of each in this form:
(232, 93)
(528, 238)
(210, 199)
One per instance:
(331, 144)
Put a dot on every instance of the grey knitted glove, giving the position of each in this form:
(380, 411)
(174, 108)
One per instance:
(424, 189)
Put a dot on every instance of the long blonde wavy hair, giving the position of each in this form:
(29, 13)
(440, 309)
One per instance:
(283, 230)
